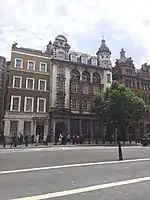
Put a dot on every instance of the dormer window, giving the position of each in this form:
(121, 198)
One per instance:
(73, 58)
(61, 54)
(94, 62)
(83, 60)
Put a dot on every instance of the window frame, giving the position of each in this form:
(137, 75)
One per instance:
(85, 59)
(11, 103)
(38, 100)
(108, 81)
(21, 63)
(87, 108)
(33, 66)
(93, 61)
(27, 83)
(85, 90)
(73, 58)
(39, 84)
(20, 77)
(45, 66)
(25, 103)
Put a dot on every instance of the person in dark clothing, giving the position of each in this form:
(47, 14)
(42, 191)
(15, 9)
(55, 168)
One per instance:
(32, 138)
(26, 140)
(3, 139)
(15, 141)
(21, 139)
(12, 141)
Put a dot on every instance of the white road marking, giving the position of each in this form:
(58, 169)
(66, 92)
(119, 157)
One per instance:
(71, 165)
(84, 189)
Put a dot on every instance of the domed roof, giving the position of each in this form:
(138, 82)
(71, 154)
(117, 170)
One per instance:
(103, 48)
(61, 37)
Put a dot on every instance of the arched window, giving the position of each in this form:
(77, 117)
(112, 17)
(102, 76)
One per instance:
(85, 77)
(96, 78)
(75, 74)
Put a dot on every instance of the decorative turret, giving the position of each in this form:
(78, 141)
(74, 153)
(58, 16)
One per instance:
(104, 55)
(61, 47)
(103, 48)
(122, 53)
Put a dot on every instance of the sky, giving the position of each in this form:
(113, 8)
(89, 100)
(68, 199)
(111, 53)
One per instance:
(123, 23)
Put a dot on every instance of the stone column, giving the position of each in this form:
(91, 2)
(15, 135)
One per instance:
(21, 127)
(80, 127)
(46, 127)
(33, 125)
(53, 131)
(67, 87)
(7, 128)
(68, 125)
(91, 129)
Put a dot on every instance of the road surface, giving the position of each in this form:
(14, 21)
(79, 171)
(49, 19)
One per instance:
(71, 173)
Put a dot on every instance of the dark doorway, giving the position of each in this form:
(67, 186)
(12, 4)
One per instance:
(39, 129)
(60, 128)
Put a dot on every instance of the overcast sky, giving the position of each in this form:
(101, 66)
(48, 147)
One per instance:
(123, 23)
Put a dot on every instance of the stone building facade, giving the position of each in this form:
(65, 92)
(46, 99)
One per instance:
(53, 91)
(76, 78)
(138, 80)
(28, 92)
(3, 88)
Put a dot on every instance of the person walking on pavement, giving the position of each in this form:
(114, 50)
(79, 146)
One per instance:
(45, 139)
(37, 140)
(15, 141)
(26, 140)
(3, 139)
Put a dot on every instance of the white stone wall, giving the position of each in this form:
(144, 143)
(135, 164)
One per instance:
(67, 86)
(104, 79)
(54, 85)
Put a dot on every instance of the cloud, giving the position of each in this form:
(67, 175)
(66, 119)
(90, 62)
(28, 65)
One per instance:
(33, 23)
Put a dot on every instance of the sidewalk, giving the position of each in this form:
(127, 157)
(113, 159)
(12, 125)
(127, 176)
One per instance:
(68, 145)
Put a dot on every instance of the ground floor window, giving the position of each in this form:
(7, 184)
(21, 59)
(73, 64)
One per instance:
(27, 127)
(13, 127)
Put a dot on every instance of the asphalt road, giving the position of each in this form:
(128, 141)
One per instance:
(67, 173)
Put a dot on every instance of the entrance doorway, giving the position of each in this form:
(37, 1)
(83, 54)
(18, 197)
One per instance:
(39, 129)
(60, 128)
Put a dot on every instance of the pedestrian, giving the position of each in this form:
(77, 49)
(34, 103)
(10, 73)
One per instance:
(60, 139)
(37, 140)
(26, 140)
(3, 139)
(15, 142)
(32, 138)
(45, 139)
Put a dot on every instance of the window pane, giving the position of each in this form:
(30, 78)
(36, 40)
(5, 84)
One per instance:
(18, 63)
(17, 82)
(108, 78)
(15, 104)
(75, 104)
(85, 104)
(75, 88)
(27, 128)
(41, 105)
(28, 105)
(43, 67)
(31, 65)
(85, 90)
(42, 85)
(30, 84)
(13, 127)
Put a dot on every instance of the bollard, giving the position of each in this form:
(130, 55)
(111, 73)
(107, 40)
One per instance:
(120, 151)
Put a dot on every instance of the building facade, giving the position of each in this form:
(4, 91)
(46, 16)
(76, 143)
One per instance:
(28, 92)
(138, 80)
(3, 88)
(76, 78)
(53, 91)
